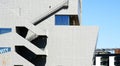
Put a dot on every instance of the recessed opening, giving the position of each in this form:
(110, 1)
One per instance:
(37, 60)
(94, 61)
(40, 60)
(22, 31)
(25, 52)
(105, 60)
(117, 61)
(74, 20)
(38, 40)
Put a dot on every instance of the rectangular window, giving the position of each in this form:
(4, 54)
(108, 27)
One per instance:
(5, 30)
(61, 20)
(74, 20)
(66, 20)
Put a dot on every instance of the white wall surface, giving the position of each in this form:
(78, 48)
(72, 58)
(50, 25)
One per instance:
(98, 61)
(11, 58)
(67, 45)
(111, 60)
(31, 9)
(71, 45)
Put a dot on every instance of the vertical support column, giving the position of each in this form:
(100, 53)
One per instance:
(98, 61)
(111, 61)
(80, 11)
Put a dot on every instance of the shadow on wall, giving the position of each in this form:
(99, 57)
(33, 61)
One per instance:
(39, 40)
(37, 60)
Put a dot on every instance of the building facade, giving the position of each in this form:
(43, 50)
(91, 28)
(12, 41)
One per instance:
(107, 57)
(45, 33)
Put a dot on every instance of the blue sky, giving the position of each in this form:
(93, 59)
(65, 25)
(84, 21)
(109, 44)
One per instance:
(106, 15)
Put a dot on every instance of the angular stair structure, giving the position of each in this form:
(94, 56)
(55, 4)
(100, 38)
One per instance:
(33, 33)
(37, 60)
(40, 41)
(23, 60)
(32, 50)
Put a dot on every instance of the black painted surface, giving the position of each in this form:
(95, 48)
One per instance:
(22, 31)
(40, 41)
(37, 60)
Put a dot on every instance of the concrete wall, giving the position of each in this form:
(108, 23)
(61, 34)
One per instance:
(66, 45)
(71, 46)
(31, 9)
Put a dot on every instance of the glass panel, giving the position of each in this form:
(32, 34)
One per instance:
(61, 20)
(74, 20)
(5, 30)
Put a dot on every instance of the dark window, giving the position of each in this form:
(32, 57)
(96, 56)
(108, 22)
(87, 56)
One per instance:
(74, 20)
(66, 20)
(94, 60)
(105, 60)
(117, 61)
(5, 30)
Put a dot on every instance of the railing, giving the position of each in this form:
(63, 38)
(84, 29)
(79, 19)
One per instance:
(47, 14)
